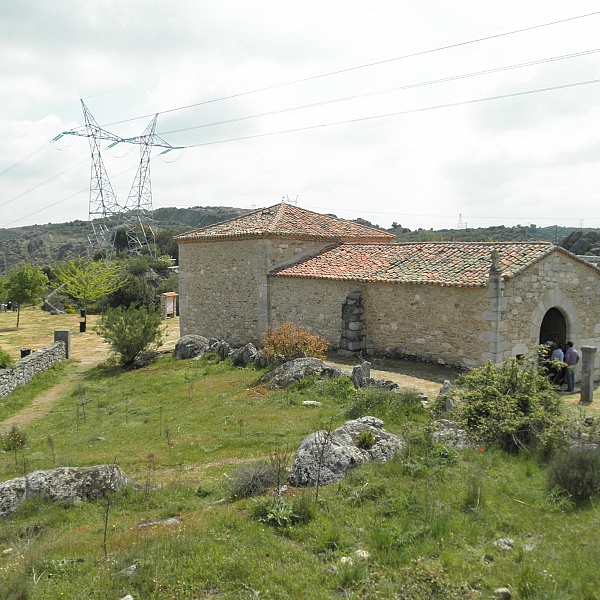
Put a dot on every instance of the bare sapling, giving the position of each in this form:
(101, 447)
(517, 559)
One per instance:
(323, 442)
(50, 442)
(280, 460)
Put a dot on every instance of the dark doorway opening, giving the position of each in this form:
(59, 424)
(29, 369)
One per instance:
(554, 327)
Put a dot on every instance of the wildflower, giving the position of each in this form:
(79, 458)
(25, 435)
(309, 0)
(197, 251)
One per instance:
(480, 449)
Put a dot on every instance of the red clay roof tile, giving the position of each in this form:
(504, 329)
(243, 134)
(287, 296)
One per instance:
(464, 264)
(287, 220)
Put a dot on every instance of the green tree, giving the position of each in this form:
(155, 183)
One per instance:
(25, 285)
(88, 281)
(136, 290)
(131, 331)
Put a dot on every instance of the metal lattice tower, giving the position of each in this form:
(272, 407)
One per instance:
(137, 213)
(104, 209)
(105, 213)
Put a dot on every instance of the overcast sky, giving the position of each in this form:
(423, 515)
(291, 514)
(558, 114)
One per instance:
(529, 158)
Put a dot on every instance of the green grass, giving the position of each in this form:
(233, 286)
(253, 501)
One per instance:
(22, 396)
(429, 519)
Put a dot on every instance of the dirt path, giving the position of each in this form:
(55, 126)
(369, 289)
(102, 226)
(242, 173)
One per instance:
(423, 377)
(88, 350)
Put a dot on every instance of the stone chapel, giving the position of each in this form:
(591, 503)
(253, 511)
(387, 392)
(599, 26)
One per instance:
(455, 303)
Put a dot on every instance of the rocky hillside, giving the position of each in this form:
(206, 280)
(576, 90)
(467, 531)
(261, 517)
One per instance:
(48, 244)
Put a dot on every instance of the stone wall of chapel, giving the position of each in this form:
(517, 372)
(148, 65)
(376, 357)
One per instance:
(427, 322)
(313, 303)
(223, 288)
(436, 323)
(557, 281)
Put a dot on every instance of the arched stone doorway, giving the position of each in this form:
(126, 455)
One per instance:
(553, 327)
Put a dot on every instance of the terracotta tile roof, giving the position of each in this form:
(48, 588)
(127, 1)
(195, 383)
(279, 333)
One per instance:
(462, 264)
(287, 220)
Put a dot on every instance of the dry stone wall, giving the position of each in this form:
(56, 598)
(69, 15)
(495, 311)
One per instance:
(27, 368)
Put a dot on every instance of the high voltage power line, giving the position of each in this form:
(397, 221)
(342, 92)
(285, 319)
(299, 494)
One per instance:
(400, 112)
(347, 98)
(357, 67)
(360, 119)
(388, 90)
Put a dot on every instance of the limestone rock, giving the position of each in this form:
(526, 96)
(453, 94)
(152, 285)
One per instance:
(450, 433)
(340, 452)
(583, 446)
(191, 346)
(446, 387)
(69, 484)
(503, 593)
(243, 356)
(361, 374)
(294, 370)
(505, 543)
(260, 360)
(145, 359)
(220, 347)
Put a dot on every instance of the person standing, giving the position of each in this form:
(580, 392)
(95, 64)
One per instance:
(571, 358)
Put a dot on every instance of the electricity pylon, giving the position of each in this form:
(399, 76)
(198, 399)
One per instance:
(104, 209)
(105, 213)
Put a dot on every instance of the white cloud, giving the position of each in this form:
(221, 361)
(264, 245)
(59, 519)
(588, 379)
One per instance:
(499, 161)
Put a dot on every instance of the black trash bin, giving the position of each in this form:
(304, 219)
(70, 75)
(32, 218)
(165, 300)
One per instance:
(25, 352)
(82, 326)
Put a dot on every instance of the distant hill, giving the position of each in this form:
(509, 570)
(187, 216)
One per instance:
(54, 242)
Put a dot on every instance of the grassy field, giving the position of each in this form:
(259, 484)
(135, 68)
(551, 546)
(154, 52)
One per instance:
(429, 520)
(425, 525)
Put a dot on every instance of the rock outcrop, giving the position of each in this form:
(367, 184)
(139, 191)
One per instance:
(191, 346)
(297, 369)
(327, 456)
(66, 484)
(243, 356)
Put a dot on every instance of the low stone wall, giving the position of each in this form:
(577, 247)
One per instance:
(27, 368)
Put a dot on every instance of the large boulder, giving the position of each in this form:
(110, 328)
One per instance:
(244, 356)
(191, 346)
(67, 484)
(327, 456)
(297, 369)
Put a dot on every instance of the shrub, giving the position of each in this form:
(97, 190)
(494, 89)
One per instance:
(5, 359)
(577, 472)
(252, 480)
(513, 405)
(140, 264)
(130, 331)
(290, 340)
(366, 439)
